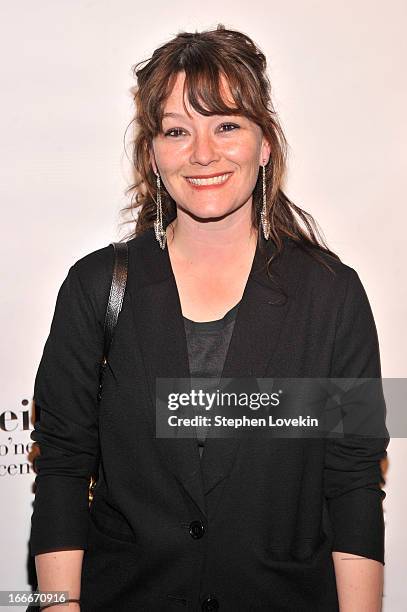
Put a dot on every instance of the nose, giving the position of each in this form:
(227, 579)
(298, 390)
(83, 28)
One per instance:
(203, 150)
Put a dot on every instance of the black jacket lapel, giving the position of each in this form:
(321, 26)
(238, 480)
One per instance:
(160, 329)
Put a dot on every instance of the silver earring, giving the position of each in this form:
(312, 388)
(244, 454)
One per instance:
(158, 223)
(264, 215)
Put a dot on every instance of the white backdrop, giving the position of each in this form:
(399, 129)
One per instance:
(338, 75)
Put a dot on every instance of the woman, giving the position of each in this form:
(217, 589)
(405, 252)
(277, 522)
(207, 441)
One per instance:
(203, 523)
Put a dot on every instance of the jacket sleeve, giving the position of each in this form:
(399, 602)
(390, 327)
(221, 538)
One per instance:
(352, 474)
(66, 427)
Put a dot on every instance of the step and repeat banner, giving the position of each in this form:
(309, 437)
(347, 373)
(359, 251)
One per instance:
(337, 72)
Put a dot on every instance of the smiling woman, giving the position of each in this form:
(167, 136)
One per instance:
(199, 522)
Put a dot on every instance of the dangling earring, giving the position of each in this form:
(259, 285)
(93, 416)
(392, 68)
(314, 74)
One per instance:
(158, 223)
(263, 215)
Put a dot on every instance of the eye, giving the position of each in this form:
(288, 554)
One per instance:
(169, 133)
(233, 125)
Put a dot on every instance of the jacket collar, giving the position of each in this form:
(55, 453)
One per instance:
(160, 329)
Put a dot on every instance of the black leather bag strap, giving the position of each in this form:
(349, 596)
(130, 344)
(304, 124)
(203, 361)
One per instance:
(117, 290)
(115, 302)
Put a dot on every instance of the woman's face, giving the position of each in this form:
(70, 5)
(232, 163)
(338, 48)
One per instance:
(203, 146)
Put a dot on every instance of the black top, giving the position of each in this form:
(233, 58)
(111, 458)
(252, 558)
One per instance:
(208, 342)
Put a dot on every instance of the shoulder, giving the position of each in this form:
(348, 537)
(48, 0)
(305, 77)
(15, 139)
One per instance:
(324, 275)
(96, 267)
(91, 275)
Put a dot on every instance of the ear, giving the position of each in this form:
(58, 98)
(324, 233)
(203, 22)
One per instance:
(265, 152)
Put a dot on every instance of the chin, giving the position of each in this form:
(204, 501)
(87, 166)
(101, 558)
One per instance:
(209, 214)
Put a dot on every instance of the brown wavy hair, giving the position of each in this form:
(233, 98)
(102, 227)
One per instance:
(205, 57)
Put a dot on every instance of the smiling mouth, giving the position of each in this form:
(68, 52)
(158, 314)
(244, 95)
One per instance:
(216, 180)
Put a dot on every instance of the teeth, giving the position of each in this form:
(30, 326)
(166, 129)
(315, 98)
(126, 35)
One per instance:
(209, 181)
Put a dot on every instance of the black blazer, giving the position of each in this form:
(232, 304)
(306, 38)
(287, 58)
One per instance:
(252, 526)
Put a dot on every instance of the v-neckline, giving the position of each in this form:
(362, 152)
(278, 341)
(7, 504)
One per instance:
(231, 312)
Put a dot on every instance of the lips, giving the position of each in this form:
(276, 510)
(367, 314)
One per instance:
(205, 176)
(208, 181)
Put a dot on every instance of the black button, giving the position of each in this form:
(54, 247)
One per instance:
(196, 529)
(210, 604)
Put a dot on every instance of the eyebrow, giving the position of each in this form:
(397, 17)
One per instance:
(173, 115)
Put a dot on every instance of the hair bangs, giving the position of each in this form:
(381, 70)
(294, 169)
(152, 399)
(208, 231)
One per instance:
(209, 90)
